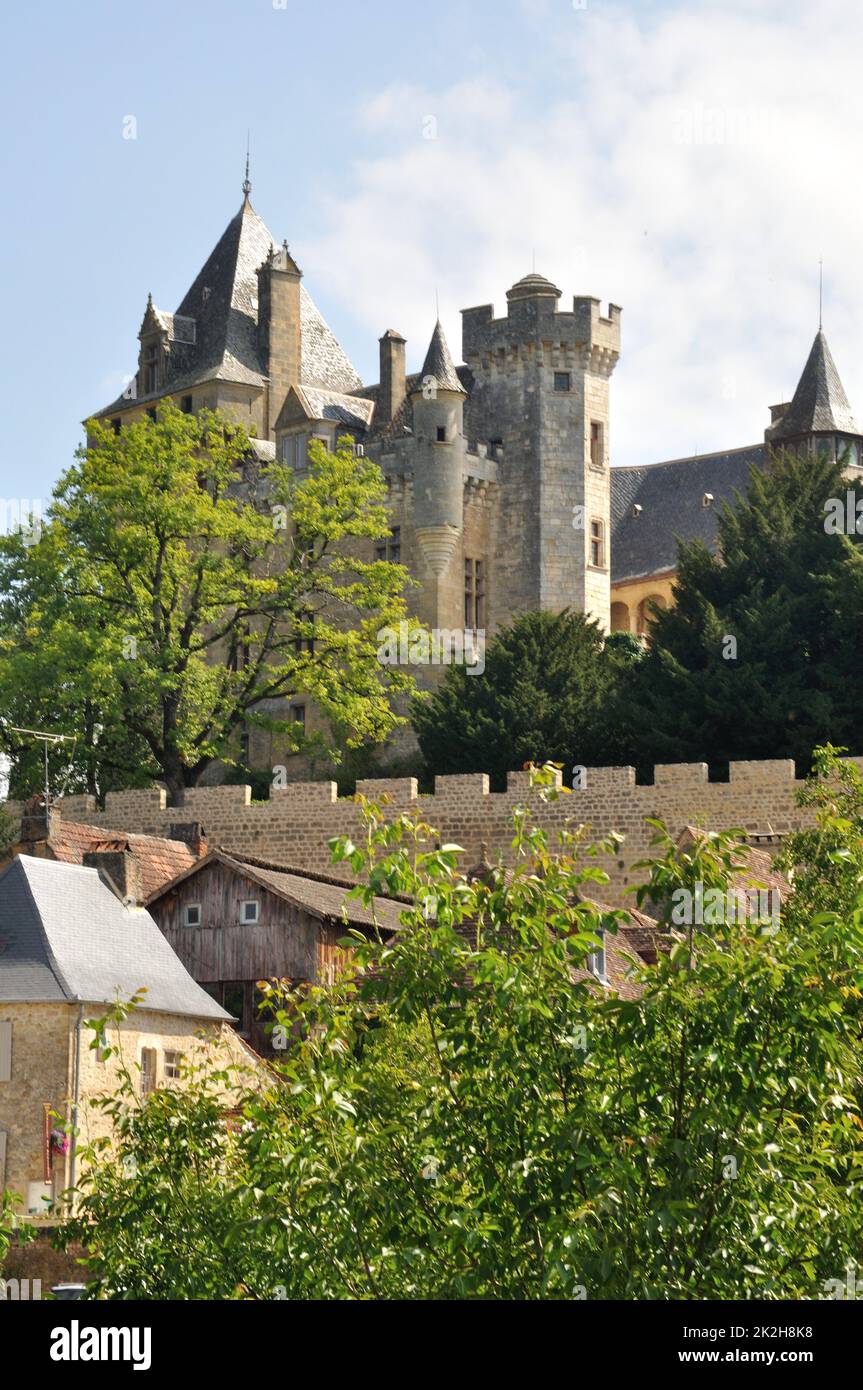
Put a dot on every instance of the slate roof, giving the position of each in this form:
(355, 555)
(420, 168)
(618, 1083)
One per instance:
(671, 497)
(322, 895)
(354, 411)
(820, 402)
(64, 936)
(159, 859)
(439, 363)
(223, 301)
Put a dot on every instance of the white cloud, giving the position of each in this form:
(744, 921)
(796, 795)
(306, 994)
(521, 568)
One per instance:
(691, 164)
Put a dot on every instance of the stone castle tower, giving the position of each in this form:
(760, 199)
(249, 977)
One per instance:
(498, 470)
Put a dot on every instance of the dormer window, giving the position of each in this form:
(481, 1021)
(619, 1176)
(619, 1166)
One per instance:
(151, 368)
(596, 960)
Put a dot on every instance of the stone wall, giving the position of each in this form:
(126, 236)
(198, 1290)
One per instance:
(294, 826)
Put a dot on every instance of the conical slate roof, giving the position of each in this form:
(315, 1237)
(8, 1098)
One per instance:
(439, 364)
(819, 403)
(223, 303)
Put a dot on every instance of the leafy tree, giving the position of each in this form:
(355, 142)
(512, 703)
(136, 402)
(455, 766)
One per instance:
(758, 656)
(544, 694)
(183, 595)
(468, 1115)
(825, 860)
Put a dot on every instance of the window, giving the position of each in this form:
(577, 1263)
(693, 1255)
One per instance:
(596, 960)
(597, 543)
(192, 915)
(304, 644)
(234, 1003)
(441, 434)
(298, 715)
(115, 424)
(597, 445)
(151, 414)
(391, 547)
(562, 381)
(474, 594)
(6, 1051)
(186, 405)
(249, 911)
(148, 1070)
(151, 368)
(173, 1065)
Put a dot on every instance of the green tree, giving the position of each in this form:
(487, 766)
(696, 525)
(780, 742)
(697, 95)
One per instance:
(185, 595)
(468, 1115)
(825, 861)
(758, 657)
(544, 694)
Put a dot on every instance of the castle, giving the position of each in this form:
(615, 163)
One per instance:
(501, 494)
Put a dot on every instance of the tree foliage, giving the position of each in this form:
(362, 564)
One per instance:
(469, 1115)
(179, 593)
(758, 657)
(544, 694)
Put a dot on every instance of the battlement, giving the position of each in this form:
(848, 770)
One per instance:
(295, 825)
(532, 315)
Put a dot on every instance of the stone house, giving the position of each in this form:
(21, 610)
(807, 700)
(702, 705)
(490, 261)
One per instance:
(70, 946)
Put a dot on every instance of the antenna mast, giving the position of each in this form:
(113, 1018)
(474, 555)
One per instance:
(46, 739)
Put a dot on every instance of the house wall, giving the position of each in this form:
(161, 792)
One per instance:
(43, 1065)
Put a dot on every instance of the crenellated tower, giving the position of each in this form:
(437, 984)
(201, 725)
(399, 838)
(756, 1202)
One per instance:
(540, 398)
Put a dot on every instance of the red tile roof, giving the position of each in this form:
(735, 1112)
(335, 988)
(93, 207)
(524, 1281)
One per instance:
(159, 860)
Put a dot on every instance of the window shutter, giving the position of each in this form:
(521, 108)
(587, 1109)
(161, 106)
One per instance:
(5, 1051)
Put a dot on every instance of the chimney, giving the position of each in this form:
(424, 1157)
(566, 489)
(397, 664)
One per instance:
(120, 870)
(38, 820)
(191, 833)
(279, 330)
(393, 387)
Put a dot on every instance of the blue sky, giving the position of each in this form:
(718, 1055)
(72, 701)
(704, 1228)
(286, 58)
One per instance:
(691, 162)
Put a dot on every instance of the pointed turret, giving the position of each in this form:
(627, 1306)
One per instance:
(439, 364)
(819, 405)
(437, 404)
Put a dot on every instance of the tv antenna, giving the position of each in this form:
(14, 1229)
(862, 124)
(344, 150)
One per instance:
(48, 740)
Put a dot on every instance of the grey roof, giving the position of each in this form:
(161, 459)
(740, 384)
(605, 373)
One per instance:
(65, 936)
(439, 363)
(355, 411)
(533, 286)
(223, 302)
(671, 497)
(819, 403)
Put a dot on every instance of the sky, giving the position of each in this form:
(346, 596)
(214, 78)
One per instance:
(691, 162)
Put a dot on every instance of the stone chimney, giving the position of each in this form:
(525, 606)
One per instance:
(392, 375)
(38, 820)
(192, 833)
(120, 870)
(279, 329)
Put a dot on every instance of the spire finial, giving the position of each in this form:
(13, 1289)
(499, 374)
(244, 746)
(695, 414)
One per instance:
(820, 293)
(247, 187)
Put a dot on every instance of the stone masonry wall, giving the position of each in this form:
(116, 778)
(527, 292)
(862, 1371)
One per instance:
(294, 826)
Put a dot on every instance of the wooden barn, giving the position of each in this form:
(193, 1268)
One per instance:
(235, 920)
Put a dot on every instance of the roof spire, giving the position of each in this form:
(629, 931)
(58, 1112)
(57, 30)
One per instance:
(820, 293)
(247, 187)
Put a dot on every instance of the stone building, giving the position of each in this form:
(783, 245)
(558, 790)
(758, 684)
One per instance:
(70, 946)
(501, 494)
